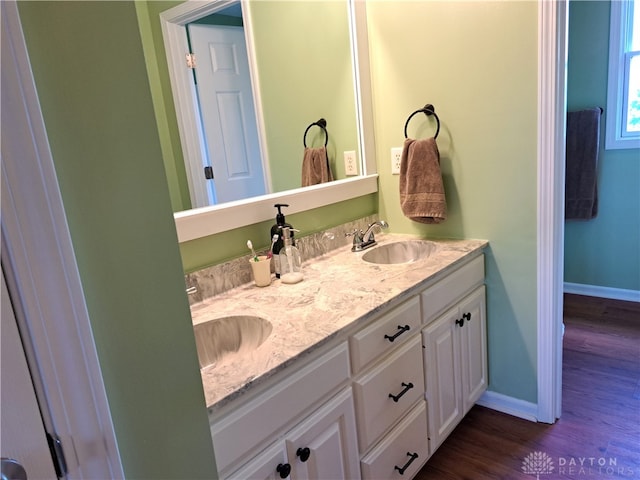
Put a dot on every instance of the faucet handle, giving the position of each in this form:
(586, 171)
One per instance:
(357, 238)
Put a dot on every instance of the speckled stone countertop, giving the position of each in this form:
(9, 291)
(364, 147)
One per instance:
(339, 292)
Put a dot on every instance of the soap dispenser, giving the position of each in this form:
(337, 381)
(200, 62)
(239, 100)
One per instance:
(290, 261)
(277, 229)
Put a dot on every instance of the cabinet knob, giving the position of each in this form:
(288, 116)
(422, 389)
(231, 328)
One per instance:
(303, 453)
(283, 469)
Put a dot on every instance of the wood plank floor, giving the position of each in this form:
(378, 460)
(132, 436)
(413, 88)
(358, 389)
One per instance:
(601, 409)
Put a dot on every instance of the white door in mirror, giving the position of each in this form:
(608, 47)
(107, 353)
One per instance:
(229, 121)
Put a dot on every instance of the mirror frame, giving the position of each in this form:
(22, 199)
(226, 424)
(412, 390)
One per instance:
(205, 221)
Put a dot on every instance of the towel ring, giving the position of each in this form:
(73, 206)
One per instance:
(428, 110)
(322, 123)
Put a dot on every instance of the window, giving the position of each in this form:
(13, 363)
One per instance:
(623, 94)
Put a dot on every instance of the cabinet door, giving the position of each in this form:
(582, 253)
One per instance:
(245, 430)
(324, 446)
(442, 377)
(269, 465)
(473, 347)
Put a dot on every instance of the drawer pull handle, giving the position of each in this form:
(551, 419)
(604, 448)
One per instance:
(406, 465)
(401, 329)
(303, 453)
(283, 469)
(407, 387)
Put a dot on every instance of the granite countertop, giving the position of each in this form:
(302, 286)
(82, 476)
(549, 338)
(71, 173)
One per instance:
(339, 291)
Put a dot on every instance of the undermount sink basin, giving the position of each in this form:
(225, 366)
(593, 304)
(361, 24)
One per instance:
(222, 337)
(400, 252)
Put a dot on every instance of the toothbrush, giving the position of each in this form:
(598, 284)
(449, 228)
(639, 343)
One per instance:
(250, 246)
(274, 239)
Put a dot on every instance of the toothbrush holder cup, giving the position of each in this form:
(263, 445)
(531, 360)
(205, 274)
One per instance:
(261, 270)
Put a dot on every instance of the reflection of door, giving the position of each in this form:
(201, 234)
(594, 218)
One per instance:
(23, 435)
(227, 111)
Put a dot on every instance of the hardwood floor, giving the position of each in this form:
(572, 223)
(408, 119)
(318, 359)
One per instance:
(600, 421)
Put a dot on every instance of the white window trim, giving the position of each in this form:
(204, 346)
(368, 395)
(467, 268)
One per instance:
(616, 82)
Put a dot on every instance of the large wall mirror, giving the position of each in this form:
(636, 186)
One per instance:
(306, 60)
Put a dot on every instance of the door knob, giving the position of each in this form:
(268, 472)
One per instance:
(12, 470)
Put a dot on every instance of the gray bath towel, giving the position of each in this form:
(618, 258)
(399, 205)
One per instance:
(583, 145)
(422, 196)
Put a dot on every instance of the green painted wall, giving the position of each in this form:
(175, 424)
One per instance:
(477, 63)
(89, 69)
(165, 113)
(604, 251)
(306, 73)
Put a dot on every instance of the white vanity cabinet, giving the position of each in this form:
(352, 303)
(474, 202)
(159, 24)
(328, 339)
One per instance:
(403, 451)
(455, 359)
(387, 391)
(323, 446)
(384, 334)
(265, 466)
(377, 402)
(301, 410)
(389, 394)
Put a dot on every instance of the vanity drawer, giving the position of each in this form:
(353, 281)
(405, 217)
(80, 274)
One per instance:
(407, 439)
(441, 295)
(401, 376)
(241, 433)
(384, 334)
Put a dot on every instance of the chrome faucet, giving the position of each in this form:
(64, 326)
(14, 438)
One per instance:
(363, 240)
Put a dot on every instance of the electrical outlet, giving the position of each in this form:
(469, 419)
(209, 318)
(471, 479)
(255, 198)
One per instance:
(396, 154)
(350, 163)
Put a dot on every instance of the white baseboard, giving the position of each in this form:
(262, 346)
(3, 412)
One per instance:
(602, 292)
(509, 405)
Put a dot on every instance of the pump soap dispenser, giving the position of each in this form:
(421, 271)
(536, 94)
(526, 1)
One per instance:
(277, 229)
(290, 261)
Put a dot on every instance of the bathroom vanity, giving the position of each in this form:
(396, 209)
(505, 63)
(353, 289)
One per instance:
(367, 369)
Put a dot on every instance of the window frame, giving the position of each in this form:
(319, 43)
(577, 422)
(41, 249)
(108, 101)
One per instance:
(619, 60)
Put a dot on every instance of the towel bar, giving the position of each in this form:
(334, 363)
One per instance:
(322, 123)
(428, 110)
